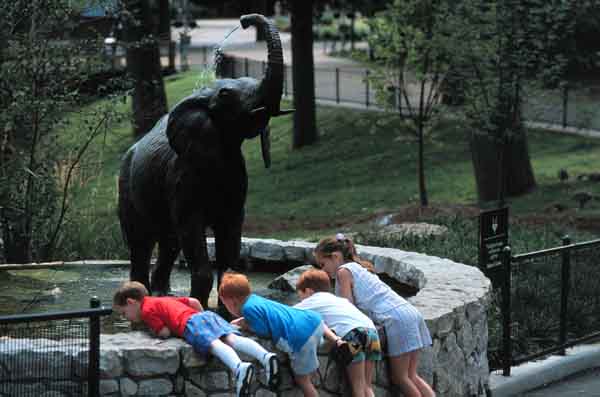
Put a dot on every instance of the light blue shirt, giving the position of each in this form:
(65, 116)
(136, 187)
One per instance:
(289, 328)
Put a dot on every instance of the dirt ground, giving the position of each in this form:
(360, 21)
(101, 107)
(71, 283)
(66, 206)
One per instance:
(416, 213)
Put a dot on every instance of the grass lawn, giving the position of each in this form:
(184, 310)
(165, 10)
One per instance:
(363, 165)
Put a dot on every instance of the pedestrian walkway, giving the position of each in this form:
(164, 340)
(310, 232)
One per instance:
(352, 91)
(585, 384)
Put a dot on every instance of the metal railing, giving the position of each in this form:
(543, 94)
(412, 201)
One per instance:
(571, 106)
(51, 349)
(537, 287)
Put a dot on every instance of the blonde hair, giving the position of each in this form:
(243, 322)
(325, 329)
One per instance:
(317, 280)
(130, 290)
(344, 245)
(234, 285)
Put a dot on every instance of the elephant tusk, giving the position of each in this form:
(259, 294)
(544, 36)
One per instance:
(284, 112)
(260, 109)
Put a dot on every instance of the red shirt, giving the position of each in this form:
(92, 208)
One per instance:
(167, 311)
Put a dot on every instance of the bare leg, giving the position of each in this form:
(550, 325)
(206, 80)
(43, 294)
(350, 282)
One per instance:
(422, 385)
(399, 368)
(356, 376)
(305, 384)
(369, 367)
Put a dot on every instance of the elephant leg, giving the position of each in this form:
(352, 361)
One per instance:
(228, 241)
(168, 248)
(139, 254)
(194, 247)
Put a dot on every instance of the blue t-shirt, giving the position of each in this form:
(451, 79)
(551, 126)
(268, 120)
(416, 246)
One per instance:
(288, 327)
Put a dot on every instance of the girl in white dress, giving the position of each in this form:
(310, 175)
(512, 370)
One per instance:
(405, 328)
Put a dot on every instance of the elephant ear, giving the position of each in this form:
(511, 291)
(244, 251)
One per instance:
(189, 115)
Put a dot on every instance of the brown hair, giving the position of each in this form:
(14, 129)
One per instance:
(317, 280)
(129, 289)
(234, 285)
(343, 244)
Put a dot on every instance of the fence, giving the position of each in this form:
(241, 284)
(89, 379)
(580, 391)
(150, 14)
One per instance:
(573, 105)
(51, 352)
(549, 301)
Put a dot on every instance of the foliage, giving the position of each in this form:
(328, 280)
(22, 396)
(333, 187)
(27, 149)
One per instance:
(327, 27)
(92, 227)
(502, 47)
(40, 78)
(362, 165)
(413, 43)
(536, 283)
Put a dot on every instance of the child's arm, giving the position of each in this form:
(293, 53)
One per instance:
(344, 280)
(331, 336)
(195, 304)
(241, 322)
(163, 333)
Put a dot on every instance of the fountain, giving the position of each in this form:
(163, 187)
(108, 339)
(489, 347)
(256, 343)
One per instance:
(452, 297)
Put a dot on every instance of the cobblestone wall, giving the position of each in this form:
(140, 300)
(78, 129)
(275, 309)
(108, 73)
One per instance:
(452, 297)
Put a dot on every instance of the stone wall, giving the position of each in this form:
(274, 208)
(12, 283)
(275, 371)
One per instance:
(452, 297)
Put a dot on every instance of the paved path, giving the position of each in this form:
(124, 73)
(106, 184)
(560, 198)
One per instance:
(353, 91)
(585, 384)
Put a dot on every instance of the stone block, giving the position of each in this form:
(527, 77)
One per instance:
(110, 364)
(128, 387)
(211, 381)
(192, 390)
(264, 392)
(108, 386)
(155, 387)
(150, 361)
(267, 250)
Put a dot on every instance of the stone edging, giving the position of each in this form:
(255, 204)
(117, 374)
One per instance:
(452, 297)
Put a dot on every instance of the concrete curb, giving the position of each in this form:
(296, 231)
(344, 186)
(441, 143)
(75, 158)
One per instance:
(533, 375)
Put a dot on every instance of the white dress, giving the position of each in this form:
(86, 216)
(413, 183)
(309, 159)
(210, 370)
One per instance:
(405, 328)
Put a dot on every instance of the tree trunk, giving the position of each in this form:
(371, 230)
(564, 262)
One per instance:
(149, 101)
(303, 70)
(493, 164)
(17, 243)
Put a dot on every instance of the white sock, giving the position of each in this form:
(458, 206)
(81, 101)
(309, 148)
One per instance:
(249, 347)
(226, 354)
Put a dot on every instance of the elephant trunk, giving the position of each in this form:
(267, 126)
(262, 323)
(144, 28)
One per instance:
(272, 84)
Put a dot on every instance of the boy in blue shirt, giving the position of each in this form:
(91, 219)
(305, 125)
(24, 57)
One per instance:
(297, 332)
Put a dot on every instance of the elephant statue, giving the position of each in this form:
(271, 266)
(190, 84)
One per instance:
(188, 173)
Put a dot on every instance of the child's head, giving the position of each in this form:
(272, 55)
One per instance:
(312, 281)
(127, 300)
(233, 291)
(333, 251)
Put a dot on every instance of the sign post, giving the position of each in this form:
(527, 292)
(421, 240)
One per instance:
(493, 237)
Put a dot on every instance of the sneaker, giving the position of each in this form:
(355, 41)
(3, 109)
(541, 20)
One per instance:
(271, 363)
(243, 379)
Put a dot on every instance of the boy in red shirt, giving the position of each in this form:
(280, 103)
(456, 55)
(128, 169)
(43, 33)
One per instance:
(206, 331)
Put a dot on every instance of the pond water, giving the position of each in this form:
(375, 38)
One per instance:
(70, 288)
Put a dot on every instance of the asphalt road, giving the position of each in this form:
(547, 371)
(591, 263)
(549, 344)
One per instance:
(586, 384)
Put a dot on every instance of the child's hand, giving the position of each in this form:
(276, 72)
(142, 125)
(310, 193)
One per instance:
(241, 323)
(164, 333)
